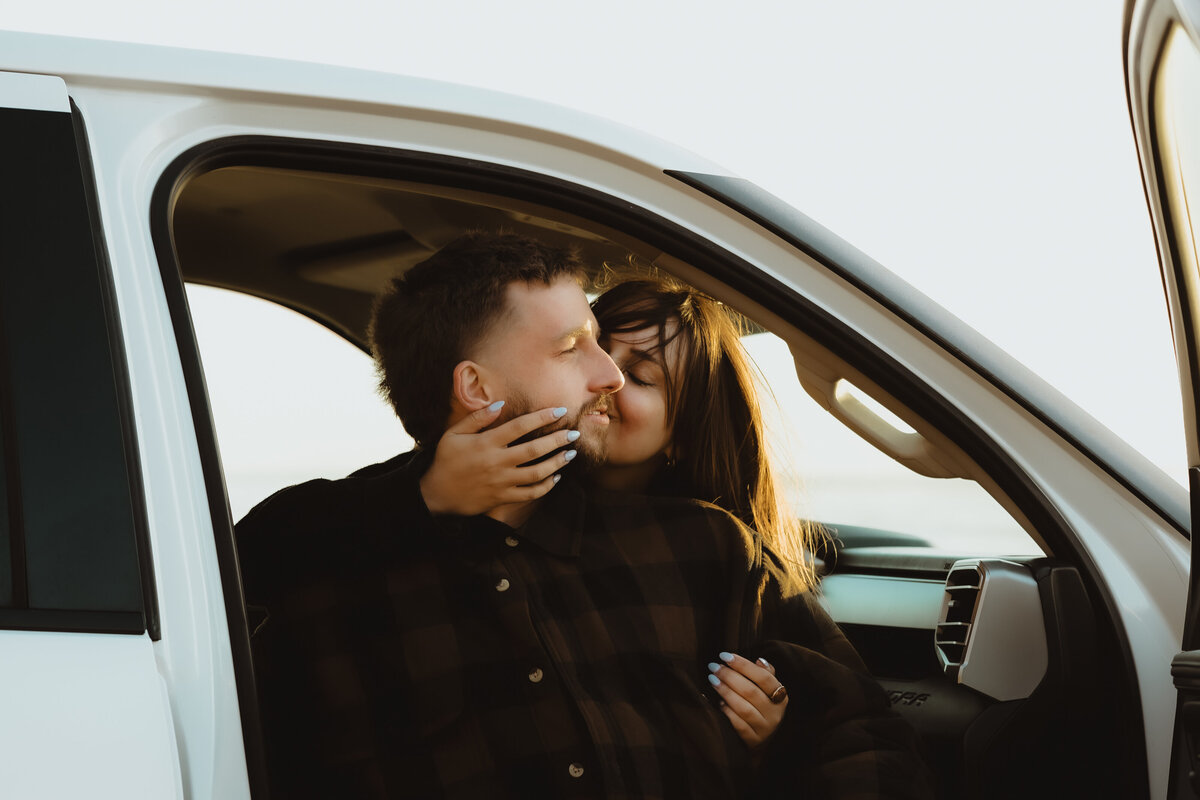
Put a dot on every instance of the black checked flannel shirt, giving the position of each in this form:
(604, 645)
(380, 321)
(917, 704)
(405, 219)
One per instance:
(407, 657)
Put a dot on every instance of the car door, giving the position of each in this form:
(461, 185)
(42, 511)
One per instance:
(1162, 66)
(84, 709)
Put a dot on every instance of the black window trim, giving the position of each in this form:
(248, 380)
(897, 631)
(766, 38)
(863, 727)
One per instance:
(71, 621)
(669, 237)
(151, 623)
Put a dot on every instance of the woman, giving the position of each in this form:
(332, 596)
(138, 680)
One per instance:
(687, 423)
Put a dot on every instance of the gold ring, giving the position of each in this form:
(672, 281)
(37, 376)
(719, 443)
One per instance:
(779, 695)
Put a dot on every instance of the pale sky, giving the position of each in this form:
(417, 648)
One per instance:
(982, 152)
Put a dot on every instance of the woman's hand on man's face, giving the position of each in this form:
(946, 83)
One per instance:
(474, 470)
(746, 688)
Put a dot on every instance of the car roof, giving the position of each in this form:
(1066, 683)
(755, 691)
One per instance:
(172, 69)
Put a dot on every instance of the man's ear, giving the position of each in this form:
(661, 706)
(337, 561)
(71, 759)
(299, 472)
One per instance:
(471, 386)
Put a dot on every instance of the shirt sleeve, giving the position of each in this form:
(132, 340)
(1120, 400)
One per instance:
(299, 529)
(839, 737)
(293, 549)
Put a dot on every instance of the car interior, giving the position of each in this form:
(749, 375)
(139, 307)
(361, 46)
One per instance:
(1002, 652)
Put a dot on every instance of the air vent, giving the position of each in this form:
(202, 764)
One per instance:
(954, 626)
(991, 635)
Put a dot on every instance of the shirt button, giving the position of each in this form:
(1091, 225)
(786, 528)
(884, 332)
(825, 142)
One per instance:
(536, 675)
(511, 541)
(575, 770)
(502, 585)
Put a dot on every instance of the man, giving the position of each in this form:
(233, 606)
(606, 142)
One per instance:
(554, 648)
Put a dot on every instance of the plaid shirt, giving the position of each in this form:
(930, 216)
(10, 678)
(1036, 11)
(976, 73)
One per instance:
(403, 657)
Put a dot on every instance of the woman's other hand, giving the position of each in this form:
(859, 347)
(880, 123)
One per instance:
(746, 689)
(474, 472)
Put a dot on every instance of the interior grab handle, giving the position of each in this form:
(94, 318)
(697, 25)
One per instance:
(871, 420)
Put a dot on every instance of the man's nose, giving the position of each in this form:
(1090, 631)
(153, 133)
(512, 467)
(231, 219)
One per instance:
(607, 377)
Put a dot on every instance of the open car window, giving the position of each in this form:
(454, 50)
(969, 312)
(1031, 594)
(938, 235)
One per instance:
(951, 572)
(860, 494)
(292, 401)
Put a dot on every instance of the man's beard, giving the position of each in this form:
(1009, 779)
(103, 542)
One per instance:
(591, 447)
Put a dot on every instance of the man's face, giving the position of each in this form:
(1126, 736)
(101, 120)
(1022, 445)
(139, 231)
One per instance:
(544, 353)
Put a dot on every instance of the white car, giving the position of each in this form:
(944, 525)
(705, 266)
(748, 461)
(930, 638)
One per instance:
(1032, 651)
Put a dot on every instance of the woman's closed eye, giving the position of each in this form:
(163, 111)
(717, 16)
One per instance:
(638, 380)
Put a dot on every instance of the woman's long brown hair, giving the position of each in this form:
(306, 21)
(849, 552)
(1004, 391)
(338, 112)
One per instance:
(718, 443)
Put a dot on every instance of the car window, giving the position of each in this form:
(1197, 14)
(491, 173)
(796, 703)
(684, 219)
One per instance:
(840, 480)
(69, 536)
(292, 401)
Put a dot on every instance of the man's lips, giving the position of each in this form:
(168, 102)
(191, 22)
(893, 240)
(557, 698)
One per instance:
(598, 415)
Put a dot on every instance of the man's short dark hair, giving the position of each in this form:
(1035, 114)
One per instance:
(431, 316)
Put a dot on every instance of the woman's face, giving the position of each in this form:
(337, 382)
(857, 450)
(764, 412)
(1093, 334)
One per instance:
(639, 437)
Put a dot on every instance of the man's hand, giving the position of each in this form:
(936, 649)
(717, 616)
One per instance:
(475, 472)
(746, 689)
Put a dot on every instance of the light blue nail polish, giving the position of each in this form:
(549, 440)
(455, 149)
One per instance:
(572, 435)
(567, 456)
(714, 680)
(559, 412)
(557, 478)
(496, 406)
(714, 667)
(726, 657)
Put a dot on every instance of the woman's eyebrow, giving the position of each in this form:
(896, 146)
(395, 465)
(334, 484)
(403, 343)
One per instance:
(638, 356)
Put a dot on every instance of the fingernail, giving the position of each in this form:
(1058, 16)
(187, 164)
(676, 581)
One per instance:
(557, 478)
(567, 456)
(726, 657)
(713, 667)
(572, 435)
(764, 662)
(496, 406)
(714, 680)
(558, 412)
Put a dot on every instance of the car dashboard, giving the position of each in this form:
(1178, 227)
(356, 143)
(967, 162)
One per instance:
(996, 661)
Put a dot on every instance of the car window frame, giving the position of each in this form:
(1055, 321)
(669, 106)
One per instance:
(614, 213)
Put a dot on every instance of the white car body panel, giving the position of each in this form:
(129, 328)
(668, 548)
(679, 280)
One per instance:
(34, 92)
(84, 718)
